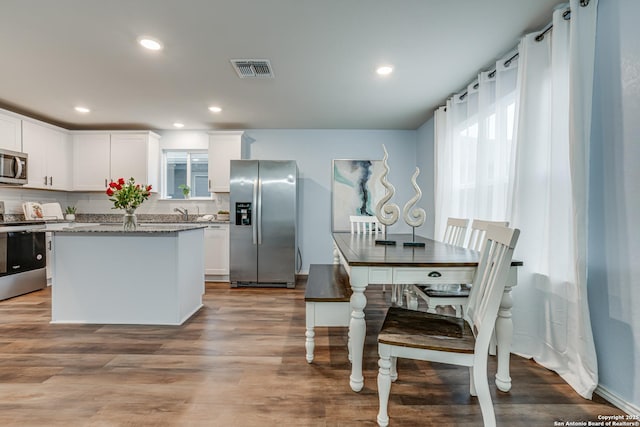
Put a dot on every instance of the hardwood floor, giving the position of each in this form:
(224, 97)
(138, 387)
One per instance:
(240, 361)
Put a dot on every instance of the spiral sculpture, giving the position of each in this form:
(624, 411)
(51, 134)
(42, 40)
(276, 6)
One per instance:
(387, 214)
(414, 216)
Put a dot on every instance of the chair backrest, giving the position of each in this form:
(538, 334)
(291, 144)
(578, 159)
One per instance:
(456, 231)
(478, 230)
(365, 225)
(489, 282)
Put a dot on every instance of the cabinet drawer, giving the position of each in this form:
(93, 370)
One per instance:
(433, 275)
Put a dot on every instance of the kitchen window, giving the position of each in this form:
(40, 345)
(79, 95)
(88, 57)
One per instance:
(185, 168)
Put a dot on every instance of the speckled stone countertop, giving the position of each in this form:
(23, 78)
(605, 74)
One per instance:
(117, 219)
(144, 218)
(116, 229)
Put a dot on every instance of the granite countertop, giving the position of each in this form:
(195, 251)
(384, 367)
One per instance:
(117, 219)
(146, 218)
(143, 229)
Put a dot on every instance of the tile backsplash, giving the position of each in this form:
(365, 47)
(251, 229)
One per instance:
(98, 202)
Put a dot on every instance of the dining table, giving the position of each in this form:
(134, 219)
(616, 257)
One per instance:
(371, 263)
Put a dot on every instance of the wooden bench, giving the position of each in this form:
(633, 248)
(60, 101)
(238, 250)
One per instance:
(327, 300)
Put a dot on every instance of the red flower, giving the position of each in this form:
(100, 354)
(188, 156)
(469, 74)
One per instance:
(126, 194)
(148, 188)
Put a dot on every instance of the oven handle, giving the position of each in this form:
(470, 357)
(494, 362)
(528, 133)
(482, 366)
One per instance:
(18, 166)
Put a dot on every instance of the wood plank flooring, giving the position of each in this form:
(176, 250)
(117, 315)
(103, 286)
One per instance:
(240, 361)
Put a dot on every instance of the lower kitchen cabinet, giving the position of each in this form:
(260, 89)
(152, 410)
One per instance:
(216, 252)
(48, 229)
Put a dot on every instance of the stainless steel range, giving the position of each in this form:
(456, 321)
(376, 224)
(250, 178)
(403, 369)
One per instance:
(23, 258)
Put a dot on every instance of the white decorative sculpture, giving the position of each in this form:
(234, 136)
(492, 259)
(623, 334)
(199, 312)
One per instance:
(414, 217)
(383, 209)
(387, 214)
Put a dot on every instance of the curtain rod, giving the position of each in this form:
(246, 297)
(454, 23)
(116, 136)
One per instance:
(566, 16)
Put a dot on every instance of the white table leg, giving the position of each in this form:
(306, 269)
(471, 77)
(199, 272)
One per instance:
(504, 334)
(310, 343)
(357, 326)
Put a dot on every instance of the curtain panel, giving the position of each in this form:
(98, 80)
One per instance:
(548, 198)
(516, 147)
(473, 139)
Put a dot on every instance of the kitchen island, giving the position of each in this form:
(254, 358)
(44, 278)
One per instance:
(151, 276)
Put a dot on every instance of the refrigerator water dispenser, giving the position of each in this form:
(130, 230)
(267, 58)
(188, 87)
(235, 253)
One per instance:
(243, 213)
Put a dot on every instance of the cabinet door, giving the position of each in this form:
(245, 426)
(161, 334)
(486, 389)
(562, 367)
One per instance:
(216, 250)
(91, 157)
(59, 160)
(49, 157)
(35, 145)
(10, 133)
(129, 157)
(223, 147)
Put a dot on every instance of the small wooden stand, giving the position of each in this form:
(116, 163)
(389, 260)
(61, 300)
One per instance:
(413, 242)
(386, 242)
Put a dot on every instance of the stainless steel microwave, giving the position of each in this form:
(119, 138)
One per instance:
(13, 167)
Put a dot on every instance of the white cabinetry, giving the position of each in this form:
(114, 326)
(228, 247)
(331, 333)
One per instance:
(49, 152)
(91, 161)
(10, 132)
(223, 147)
(48, 235)
(216, 252)
(99, 157)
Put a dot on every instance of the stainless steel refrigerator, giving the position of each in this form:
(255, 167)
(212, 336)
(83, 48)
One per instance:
(263, 235)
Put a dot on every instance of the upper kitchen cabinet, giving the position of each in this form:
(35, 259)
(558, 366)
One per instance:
(91, 161)
(224, 146)
(99, 157)
(49, 151)
(10, 132)
(136, 155)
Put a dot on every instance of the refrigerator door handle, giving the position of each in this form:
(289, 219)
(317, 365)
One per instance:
(254, 213)
(259, 209)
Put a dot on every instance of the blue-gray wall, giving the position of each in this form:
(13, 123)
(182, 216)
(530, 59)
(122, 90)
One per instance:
(426, 180)
(614, 210)
(314, 151)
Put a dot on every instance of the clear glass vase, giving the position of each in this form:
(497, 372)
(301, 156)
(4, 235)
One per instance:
(129, 221)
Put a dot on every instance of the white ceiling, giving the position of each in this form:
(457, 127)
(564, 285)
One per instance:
(58, 54)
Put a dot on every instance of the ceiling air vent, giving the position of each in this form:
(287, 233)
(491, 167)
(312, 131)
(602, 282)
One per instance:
(252, 68)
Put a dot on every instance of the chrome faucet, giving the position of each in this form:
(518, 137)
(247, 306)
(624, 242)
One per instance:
(184, 212)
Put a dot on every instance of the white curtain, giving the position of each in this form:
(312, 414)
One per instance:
(548, 187)
(473, 138)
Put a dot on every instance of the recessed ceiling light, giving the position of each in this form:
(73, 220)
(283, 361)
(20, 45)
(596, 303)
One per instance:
(178, 125)
(385, 70)
(215, 109)
(81, 109)
(149, 43)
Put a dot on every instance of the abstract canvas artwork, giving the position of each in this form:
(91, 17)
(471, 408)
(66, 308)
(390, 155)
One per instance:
(356, 189)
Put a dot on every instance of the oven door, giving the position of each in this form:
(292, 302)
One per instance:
(25, 251)
(3, 254)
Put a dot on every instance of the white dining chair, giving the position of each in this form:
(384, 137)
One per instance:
(456, 231)
(362, 224)
(444, 339)
(365, 224)
(456, 295)
(478, 230)
(454, 234)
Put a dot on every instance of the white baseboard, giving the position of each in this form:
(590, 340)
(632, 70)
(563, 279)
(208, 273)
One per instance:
(617, 401)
